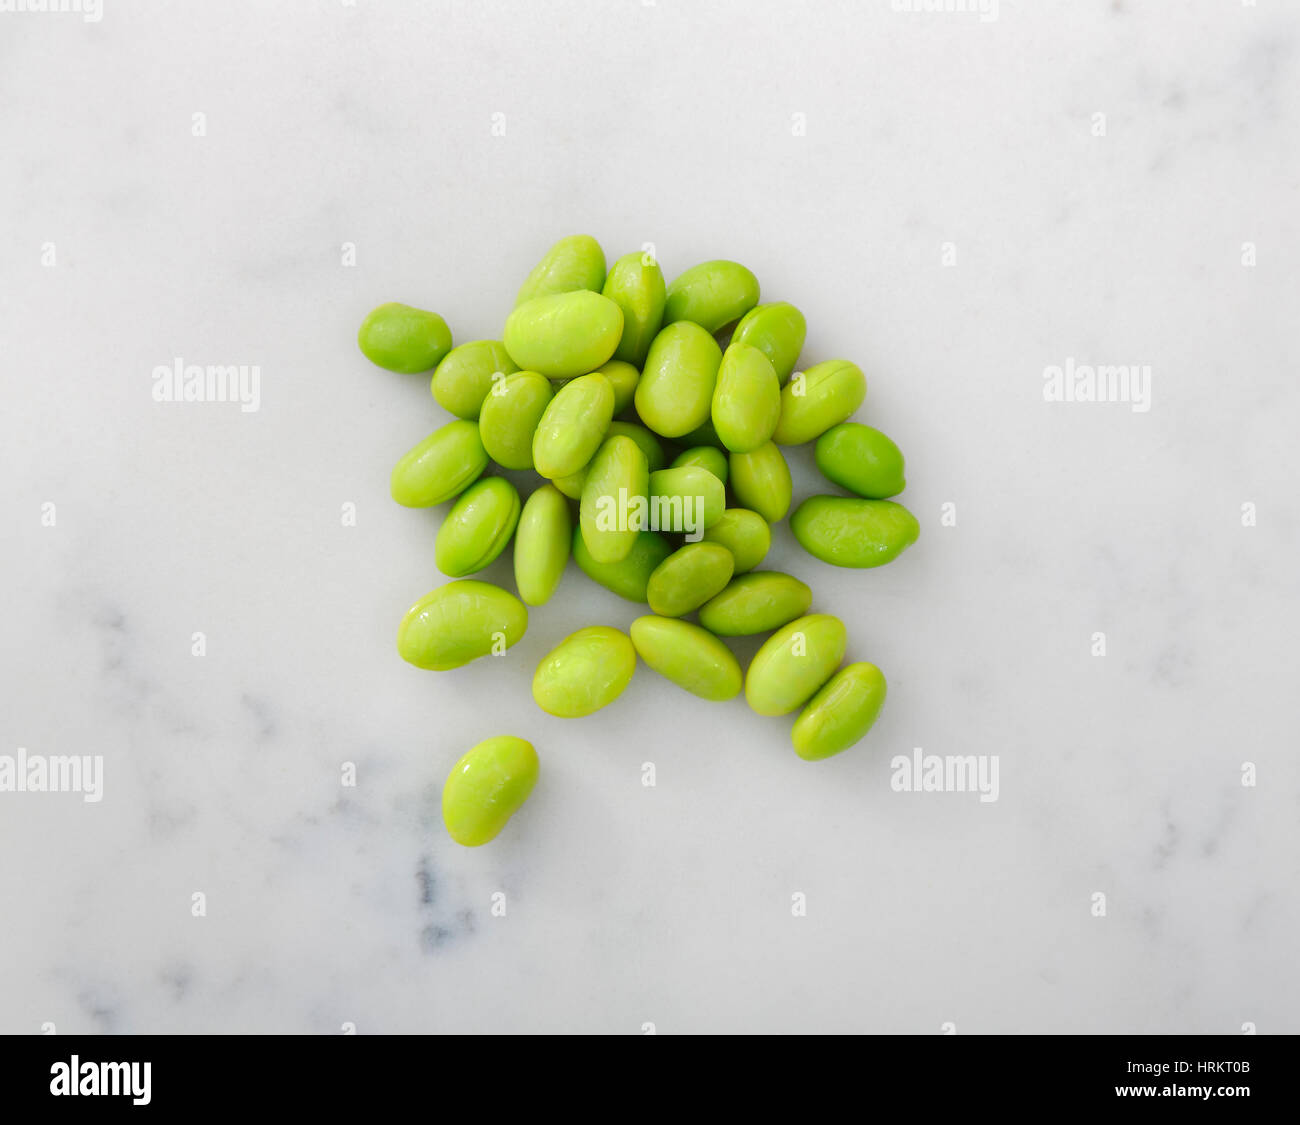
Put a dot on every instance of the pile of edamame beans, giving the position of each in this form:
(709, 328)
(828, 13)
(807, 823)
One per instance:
(598, 376)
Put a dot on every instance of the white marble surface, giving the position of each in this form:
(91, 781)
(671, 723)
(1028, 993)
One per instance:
(670, 122)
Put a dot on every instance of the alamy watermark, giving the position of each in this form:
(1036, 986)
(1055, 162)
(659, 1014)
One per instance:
(672, 512)
(35, 773)
(91, 11)
(182, 382)
(986, 9)
(951, 773)
(1081, 382)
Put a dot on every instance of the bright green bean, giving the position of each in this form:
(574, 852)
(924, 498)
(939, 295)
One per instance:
(564, 334)
(794, 662)
(460, 622)
(477, 528)
(847, 531)
(542, 544)
(443, 465)
(586, 671)
(487, 787)
(761, 481)
(712, 295)
(689, 656)
(509, 418)
(755, 603)
(636, 285)
(400, 338)
(688, 578)
(819, 398)
(464, 378)
(841, 713)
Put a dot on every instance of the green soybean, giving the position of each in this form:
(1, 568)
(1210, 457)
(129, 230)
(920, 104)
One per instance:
(675, 393)
(861, 459)
(477, 528)
(746, 400)
(573, 426)
(822, 397)
(841, 713)
(706, 457)
(755, 603)
(688, 578)
(398, 337)
(576, 262)
(464, 378)
(586, 671)
(712, 295)
(443, 465)
(691, 657)
(778, 331)
(487, 787)
(847, 531)
(650, 445)
(618, 473)
(636, 285)
(761, 481)
(542, 544)
(686, 498)
(794, 662)
(564, 334)
(745, 534)
(460, 622)
(573, 484)
(630, 576)
(509, 418)
(623, 377)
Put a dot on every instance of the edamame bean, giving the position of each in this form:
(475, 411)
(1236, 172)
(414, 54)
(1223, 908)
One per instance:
(477, 528)
(460, 622)
(629, 577)
(464, 378)
(586, 671)
(690, 656)
(443, 465)
(688, 578)
(618, 473)
(637, 287)
(573, 484)
(755, 603)
(487, 787)
(746, 400)
(794, 662)
(761, 481)
(542, 544)
(841, 713)
(573, 426)
(576, 262)
(778, 331)
(712, 295)
(400, 338)
(509, 418)
(846, 531)
(686, 498)
(817, 399)
(675, 393)
(708, 458)
(564, 334)
(650, 445)
(623, 377)
(745, 534)
(862, 460)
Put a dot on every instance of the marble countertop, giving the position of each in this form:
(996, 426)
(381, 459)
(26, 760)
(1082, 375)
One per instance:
(1103, 597)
